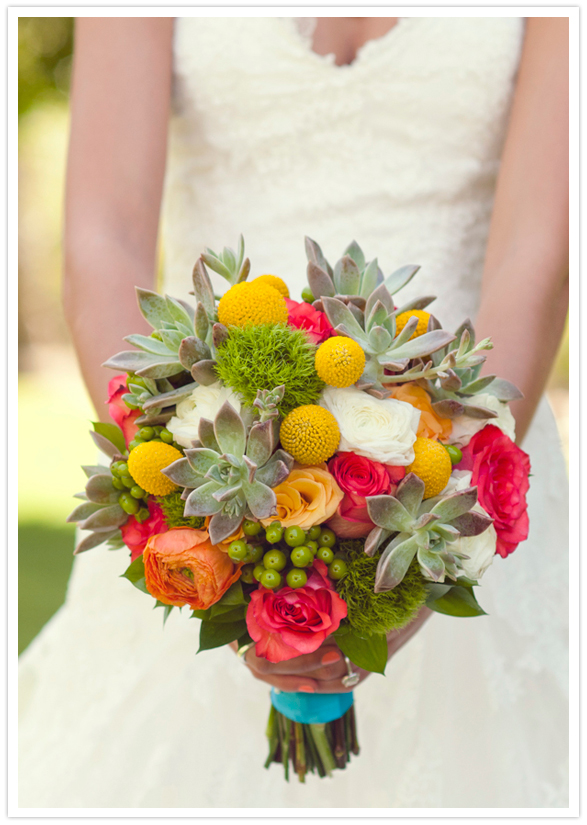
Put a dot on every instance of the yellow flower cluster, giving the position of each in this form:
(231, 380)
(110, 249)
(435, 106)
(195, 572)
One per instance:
(432, 464)
(403, 318)
(275, 282)
(340, 361)
(145, 463)
(310, 434)
(252, 303)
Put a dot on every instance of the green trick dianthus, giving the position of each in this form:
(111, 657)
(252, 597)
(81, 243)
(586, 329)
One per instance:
(370, 612)
(266, 356)
(173, 506)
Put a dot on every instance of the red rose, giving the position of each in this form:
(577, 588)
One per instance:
(314, 323)
(136, 535)
(500, 471)
(287, 623)
(118, 410)
(359, 477)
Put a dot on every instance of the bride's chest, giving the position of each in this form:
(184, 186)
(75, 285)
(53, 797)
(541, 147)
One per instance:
(428, 79)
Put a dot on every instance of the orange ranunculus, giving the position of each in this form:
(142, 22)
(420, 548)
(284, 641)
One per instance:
(183, 567)
(431, 425)
(308, 496)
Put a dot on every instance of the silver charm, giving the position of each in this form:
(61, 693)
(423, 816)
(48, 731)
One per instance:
(352, 678)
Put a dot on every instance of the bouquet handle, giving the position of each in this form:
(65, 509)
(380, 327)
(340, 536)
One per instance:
(311, 732)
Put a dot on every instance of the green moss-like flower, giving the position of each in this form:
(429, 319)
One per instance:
(173, 506)
(370, 612)
(267, 356)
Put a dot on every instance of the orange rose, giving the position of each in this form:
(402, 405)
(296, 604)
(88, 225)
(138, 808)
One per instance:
(183, 567)
(431, 425)
(308, 496)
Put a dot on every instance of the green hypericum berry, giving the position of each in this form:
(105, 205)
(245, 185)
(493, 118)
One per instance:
(114, 469)
(137, 492)
(255, 553)
(301, 556)
(247, 574)
(296, 578)
(313, 533)
(166, 436)
(325, 554)
(294, 536)
(158, 429)
(237, 550)
(143, 514)
(251, 528)
(135, 442)
(128, 482)
(307, 295)
(454, 453)
(123, 470)
(338, 569)
(146, 433)
(117, 484)
(271, 579)
(258, 571)
(326, 538)
(313, 546)
(274, 532)
(129, 504)
(274, 560)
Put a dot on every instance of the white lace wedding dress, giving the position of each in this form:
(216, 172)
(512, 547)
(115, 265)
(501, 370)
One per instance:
(400, 151)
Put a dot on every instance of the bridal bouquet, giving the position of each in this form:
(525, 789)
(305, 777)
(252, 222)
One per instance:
(291, 471)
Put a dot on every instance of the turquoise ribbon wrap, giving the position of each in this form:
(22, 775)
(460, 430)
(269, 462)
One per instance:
(311, 708)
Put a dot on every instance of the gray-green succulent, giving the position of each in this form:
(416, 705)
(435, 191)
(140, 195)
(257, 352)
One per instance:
(229, 474)
(100, 511)
(425, 529)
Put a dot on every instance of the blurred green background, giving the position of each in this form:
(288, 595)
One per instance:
(50, 469)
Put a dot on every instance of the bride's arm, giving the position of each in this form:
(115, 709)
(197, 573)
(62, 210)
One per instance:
(525, 282)
(119, 113)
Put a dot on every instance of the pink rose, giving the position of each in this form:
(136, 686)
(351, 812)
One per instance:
(314, 323)
(118, 410)
(287, 623)
(136, 535)
(359, 477)
(500, 470)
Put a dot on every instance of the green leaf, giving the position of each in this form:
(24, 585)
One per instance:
(225, 613)
(201, 614)
(243, 640)
(458, 601)
(217, 634)
(369, 654)
(112, 433)
(136, 574)
(233, 596)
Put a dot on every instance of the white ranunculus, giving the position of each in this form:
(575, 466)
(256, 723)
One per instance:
(204, 402)
(481, 548)
(383, 430)
(464, 427)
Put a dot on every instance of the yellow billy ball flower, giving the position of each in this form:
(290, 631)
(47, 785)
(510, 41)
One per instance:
(310, 434)
(145, 463)
(403, 318)
(432, 464)
(252, 303)
(340, 361)
(275, 282)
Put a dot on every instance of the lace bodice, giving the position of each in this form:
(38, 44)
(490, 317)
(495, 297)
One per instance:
(399, 149)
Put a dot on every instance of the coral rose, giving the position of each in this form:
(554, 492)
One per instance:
(359, 477)
(314, 323)
(183, 567)
(431, 425)
(136, 534)
(117, 409)
(287, 623)
(308, 496)
(500, 470)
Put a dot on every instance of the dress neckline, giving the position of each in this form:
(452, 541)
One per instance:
(370, 47)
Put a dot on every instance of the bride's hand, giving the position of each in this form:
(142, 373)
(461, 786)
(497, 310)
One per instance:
(322, 671)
